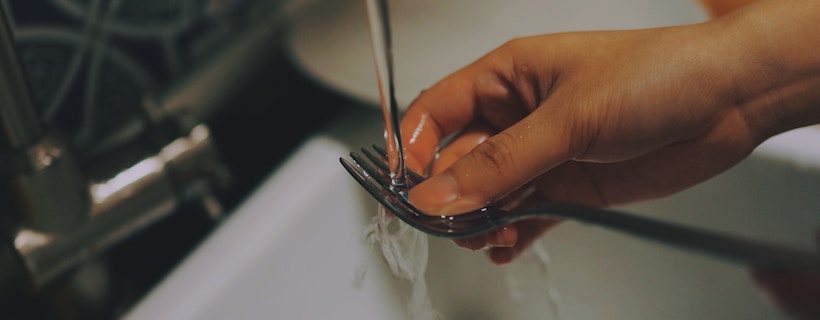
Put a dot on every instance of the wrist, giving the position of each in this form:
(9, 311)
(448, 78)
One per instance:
(777, 87)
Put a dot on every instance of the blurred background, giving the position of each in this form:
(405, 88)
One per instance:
(131, 131)
(199, 86)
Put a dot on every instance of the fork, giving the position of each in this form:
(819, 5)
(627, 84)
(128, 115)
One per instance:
(372, 173)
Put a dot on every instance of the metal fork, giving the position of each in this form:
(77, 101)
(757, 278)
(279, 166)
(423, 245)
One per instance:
(371, 171)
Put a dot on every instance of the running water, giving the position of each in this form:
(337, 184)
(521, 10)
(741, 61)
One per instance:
(403, 247)
(405, 250)
(379, 18)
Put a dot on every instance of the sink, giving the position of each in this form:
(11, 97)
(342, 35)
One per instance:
(330, 40)
(293, 247)
(291, 250)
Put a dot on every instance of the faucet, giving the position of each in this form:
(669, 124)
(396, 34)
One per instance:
(32, 162)
(56, 215)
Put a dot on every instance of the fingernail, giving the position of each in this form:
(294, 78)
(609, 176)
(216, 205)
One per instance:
(434, 194)
(439, 195)
(506, 236)
(501, 256)
(473, 243)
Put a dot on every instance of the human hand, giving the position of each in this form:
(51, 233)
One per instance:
(796, 292)
(717, 8)
(594, 118)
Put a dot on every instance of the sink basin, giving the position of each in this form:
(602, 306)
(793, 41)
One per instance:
(292, 249)
(330, 40)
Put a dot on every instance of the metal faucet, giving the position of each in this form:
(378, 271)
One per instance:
(33, 164)
(54, 216)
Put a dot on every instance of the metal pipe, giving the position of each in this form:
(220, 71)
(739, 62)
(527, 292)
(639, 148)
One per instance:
(46, 192)
(124, 204)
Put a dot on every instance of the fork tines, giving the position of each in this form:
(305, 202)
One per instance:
(381, 161)
(374, 176)
(371, 172)
(378, 184)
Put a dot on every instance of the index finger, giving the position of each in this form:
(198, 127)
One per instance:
(449, 106)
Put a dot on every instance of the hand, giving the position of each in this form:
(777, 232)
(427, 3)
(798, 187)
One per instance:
(797, 292)
(716, 8)
(606, 118)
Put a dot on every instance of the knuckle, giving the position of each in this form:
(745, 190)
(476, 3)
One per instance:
(496, 155)
(515, 44)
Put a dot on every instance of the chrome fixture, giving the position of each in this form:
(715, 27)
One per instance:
(56, 215)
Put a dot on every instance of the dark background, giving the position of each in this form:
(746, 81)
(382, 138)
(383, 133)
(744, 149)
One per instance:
(265, 120)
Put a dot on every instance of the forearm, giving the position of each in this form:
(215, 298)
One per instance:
(777, 45)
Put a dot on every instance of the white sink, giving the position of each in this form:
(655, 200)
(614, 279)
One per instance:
(291, 251)
(330, 40)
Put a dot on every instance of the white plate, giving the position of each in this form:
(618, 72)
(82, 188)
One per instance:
(330, 40)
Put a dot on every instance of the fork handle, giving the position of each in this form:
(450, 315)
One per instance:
(747, 252)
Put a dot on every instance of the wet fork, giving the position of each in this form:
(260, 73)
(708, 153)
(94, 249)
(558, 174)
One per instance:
(372, 173)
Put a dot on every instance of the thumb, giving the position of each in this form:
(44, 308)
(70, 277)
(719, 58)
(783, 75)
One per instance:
(496, 167)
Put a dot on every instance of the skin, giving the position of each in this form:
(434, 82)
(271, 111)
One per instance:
(797, 292)
(718, 8)
(605, 118)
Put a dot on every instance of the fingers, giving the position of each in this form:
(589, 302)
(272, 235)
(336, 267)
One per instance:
(463, 143)
(796, 292)
(438, 112)
(529, 231)
(480, 92)
(506, 236)
(498, 90)
(460, 145)
(488, 90)
(496, 167)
